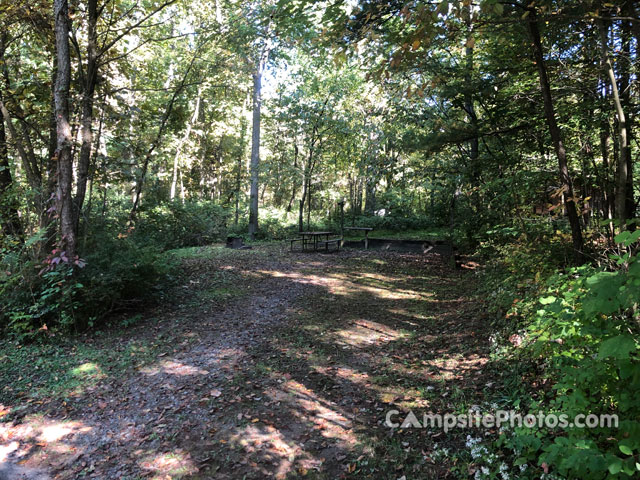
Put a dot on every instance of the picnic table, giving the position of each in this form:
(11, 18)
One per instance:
(366, 231)
(314, 240)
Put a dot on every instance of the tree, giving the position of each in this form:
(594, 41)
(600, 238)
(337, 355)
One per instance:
(68, 238)
(556, 138)
(264, 48)
(624, 158)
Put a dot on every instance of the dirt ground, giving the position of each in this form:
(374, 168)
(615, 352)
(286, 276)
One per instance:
(278, 365)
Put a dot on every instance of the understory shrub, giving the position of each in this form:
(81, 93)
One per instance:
(121, 267)
(580, 328)
(177, 224)
(390, 222)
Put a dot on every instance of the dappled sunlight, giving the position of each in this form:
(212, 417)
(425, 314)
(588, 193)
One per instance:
(174, 368)
(409, 316)
(295, 276)
(291, 381)
(55, 432)
(345, 373)
(366, 332)
(310, 407)
(171, 465)
(8, 449)
(88, 369)
(268, 445)
(323, 414)
(458, 366)
(40, 437)
(348, 285)
(41, 429)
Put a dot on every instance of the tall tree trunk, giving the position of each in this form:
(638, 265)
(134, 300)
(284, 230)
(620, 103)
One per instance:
(294, 183)
(47, 220)
(556, 137)
(370, 193)
(309, 204)
(10, 221)
(241, 157)
(255, 134)
(63, 129)
(625, 97)
(255, 153)
(94, 166)
(358, 209)
(371, 181)
(30, 170)
(90, 77)
(470, 110)
(608, 193)
(26, 152)
(303, 197)
(625, 149)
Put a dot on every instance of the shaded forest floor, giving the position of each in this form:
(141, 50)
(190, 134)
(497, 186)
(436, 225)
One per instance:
(259, 364)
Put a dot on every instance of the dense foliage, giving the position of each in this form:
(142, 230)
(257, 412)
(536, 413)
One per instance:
(132, 128)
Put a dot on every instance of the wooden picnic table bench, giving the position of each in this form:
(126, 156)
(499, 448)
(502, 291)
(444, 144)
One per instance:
(333, 241)
(366, 231)
(314, 240)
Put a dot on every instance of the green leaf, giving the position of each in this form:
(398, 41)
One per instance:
(547, 300)
(615, 466)
(622, 237)
(625, 449)
(617, 347)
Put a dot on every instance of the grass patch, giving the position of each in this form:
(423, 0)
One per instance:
(67, 368)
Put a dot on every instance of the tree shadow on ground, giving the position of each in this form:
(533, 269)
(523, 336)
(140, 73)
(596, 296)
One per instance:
(293, 378)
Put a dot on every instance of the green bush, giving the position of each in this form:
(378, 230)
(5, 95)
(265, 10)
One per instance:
(39, 298)
(582, 330)
(122, 267)
(390, 222)
(36, 296)
(517, 264)
(176, 224)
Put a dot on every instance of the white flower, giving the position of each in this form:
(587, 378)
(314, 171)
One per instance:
(504, 471)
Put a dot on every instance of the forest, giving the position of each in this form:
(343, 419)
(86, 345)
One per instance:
(433, 212)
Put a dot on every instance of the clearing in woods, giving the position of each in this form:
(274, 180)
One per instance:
(260, 364)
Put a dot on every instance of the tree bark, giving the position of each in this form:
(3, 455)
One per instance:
(90, 77)
(556, 137)
(47, 220)
(469, 107)
(309, 204)
(294, 183)
(624, 158)
(63, 129)
(301, 203)
(33, 176)
(255, 153)
(627, 106)
(10, 221)
(241, 157)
